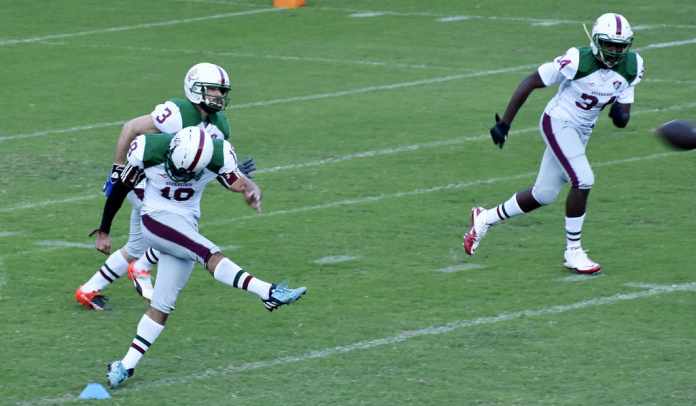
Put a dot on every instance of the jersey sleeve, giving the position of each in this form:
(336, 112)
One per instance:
(167, 117)
(563, 67)
(136, 152)
(229, 172)
(628, 95)
(133, 173)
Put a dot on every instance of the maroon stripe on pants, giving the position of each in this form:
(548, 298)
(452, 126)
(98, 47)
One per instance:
(557, 151)
(167, 233)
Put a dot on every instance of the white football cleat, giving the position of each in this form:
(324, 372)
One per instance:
(577, 260)
(478, 228)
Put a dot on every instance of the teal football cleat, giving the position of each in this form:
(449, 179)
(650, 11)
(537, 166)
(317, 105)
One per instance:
(116, 373)
(282, 295)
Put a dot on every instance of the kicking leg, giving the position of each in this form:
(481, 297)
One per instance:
(273, 296)
(89, 295)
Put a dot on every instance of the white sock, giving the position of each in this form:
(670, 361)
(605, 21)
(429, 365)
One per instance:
(573, 226)
(148, 260)
(114, 267)
(147, 333)
(510, 208)
(233, 275)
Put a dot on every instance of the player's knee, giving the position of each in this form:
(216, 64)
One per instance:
(586, 181)
(160, 309)
(544, 195)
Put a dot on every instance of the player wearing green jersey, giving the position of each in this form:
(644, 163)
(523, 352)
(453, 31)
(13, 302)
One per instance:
(177, 169)
(589, 79)
(206, 87)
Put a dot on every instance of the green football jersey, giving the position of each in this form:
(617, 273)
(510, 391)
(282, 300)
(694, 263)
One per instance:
(177, 113)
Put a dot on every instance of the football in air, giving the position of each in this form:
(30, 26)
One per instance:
(678, 134)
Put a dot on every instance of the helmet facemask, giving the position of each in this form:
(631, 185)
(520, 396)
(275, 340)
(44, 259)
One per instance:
(611, 51)
(211, 103)
(179, 175)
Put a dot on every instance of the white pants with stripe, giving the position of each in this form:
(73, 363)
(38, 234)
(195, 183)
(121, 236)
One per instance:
(564, 160)
(180, 246)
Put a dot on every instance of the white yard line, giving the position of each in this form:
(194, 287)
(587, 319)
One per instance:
(417, 192)
(348, 157)
(156, 24)
(63, 244)
(669, 44)
(9, 233)
(446, 18)
(319, 96)
(334, 259)
(431, 331)
(460, 267)
(293, 58)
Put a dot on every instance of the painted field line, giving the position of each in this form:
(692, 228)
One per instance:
(63, 244)
(534, 21)
(319, 96)
(9, 233)
(580, 278)
(436, 330)
(669, 44)
(348, 157)
(156, 24)
(296, 58)
(51, 202)
(417, 192)
(3, 277)
(334, 259)
(460, 267)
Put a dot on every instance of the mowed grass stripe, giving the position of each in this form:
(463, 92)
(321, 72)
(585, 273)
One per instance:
(358, 155)
(652, 290)
(155, 24)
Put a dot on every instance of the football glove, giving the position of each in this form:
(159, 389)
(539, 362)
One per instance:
(247, 167)
(499, 131)
(112, 178)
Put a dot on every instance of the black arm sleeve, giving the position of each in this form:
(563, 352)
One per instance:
(113, 203)
(620, 114)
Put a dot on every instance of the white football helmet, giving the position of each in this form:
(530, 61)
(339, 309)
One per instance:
(612, 37)
(200, 79)
(190, 151)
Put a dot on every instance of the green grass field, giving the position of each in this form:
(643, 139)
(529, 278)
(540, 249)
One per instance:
(370, 133)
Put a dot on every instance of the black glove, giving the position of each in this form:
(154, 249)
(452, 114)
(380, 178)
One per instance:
(247, 167)
(499, 131)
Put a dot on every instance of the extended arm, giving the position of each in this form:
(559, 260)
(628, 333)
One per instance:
(238, 182)
(129, 178)
(501, 128)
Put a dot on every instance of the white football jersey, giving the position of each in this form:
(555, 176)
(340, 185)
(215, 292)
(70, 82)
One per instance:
(587, 87)
(149, 152)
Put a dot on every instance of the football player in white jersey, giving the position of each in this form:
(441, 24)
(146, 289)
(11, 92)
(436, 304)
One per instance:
(590, 79)
(177, 169)
(206, 87)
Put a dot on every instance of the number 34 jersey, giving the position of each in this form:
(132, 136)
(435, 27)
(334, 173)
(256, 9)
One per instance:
(586, 86)
(149, 152)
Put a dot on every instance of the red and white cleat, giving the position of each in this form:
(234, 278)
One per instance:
(478, 228)
(577, 260)
(91, 300)
(141, 280)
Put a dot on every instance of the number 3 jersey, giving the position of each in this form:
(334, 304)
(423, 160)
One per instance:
(149, 153)
(586, 86)
(175, 114)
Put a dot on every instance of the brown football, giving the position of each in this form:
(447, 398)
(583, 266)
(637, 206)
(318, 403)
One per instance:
(678, 134)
